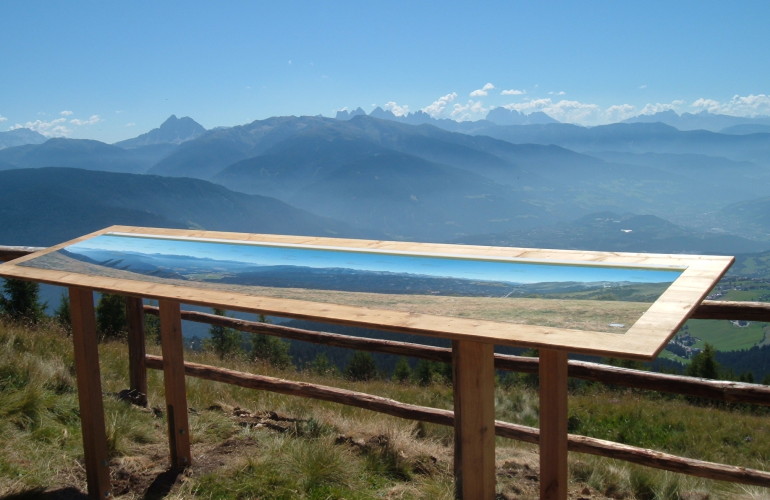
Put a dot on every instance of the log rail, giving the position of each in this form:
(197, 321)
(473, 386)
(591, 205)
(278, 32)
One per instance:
(719, 390)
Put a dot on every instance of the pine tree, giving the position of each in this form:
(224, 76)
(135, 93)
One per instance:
(20, 300)
(271, 349)
(62, 313)
(321, 365)
(361, 366)
(427, 372)
(704, 364)
(224, 341)
(402, 372)
(111, 319)
(274, 350)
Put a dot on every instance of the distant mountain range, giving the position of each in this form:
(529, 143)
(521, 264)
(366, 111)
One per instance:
(623, 233)
(503, 116)
(173, 131)
(525, 181)
(20, 137)
(44, 206)
(707, 121)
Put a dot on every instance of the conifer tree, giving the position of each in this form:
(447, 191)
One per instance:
(361, 366)
(224, 341)
(111, 319)
(20, 300)
(402, 372)
(274, 350)
(704, 364)
(321, 364)
(62, 313)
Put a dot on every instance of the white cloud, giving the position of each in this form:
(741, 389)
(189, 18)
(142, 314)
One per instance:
(619, 112)
(709, 105)
(564, 111)
(483, 90)
(561, 92)
(54, 128)
(90, 121)
(3, 119)
(652, 108)
(473, 110)
(750, 105)
(437, 107)
(58, 127)
(513, 92)
(396, 109)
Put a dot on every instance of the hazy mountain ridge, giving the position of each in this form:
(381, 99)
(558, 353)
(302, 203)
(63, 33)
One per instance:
(504, 116)
(20, 137)
(622, 233)
(284, 156)
(421, 182)
(49, 205)
(84, 154)
(173, 131)
(700, 121)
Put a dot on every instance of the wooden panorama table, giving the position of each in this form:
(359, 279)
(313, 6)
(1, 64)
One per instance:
(463, 293)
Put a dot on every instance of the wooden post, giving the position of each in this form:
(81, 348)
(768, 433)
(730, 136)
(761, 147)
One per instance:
(474, 409)
(173, 381)
(137, 368)
(553, 424)
(89, 383)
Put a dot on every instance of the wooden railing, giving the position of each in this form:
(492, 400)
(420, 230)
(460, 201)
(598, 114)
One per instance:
(735, 392)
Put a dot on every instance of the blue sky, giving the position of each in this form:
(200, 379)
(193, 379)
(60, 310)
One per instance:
(372, 261)
(111, 70)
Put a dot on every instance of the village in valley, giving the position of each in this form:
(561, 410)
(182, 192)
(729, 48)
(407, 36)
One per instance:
(728, 336)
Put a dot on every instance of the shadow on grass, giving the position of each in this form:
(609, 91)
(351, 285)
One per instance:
(39, 493)
(158, 489)
(162, 484)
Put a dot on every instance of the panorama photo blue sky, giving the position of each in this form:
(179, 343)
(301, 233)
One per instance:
(329, 258)
(112, 70)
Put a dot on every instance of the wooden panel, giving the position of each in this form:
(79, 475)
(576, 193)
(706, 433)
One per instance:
(173, 381)
(89, 384)
(137, 369)
(642, 341)
(474, 386)
(553, 425)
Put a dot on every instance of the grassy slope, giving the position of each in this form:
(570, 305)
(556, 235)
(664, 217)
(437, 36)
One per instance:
(251, 444)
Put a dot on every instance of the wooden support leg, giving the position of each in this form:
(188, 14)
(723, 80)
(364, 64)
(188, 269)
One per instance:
(173, 379)
(137, 367)
(553, 425)
(89, 383)
(474, 407)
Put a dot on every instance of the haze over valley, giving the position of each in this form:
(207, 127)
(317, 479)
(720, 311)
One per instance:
(626, 186)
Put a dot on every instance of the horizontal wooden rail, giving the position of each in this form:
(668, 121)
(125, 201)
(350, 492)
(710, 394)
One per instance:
(581, 444)
(748, 311)
(736, 392)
